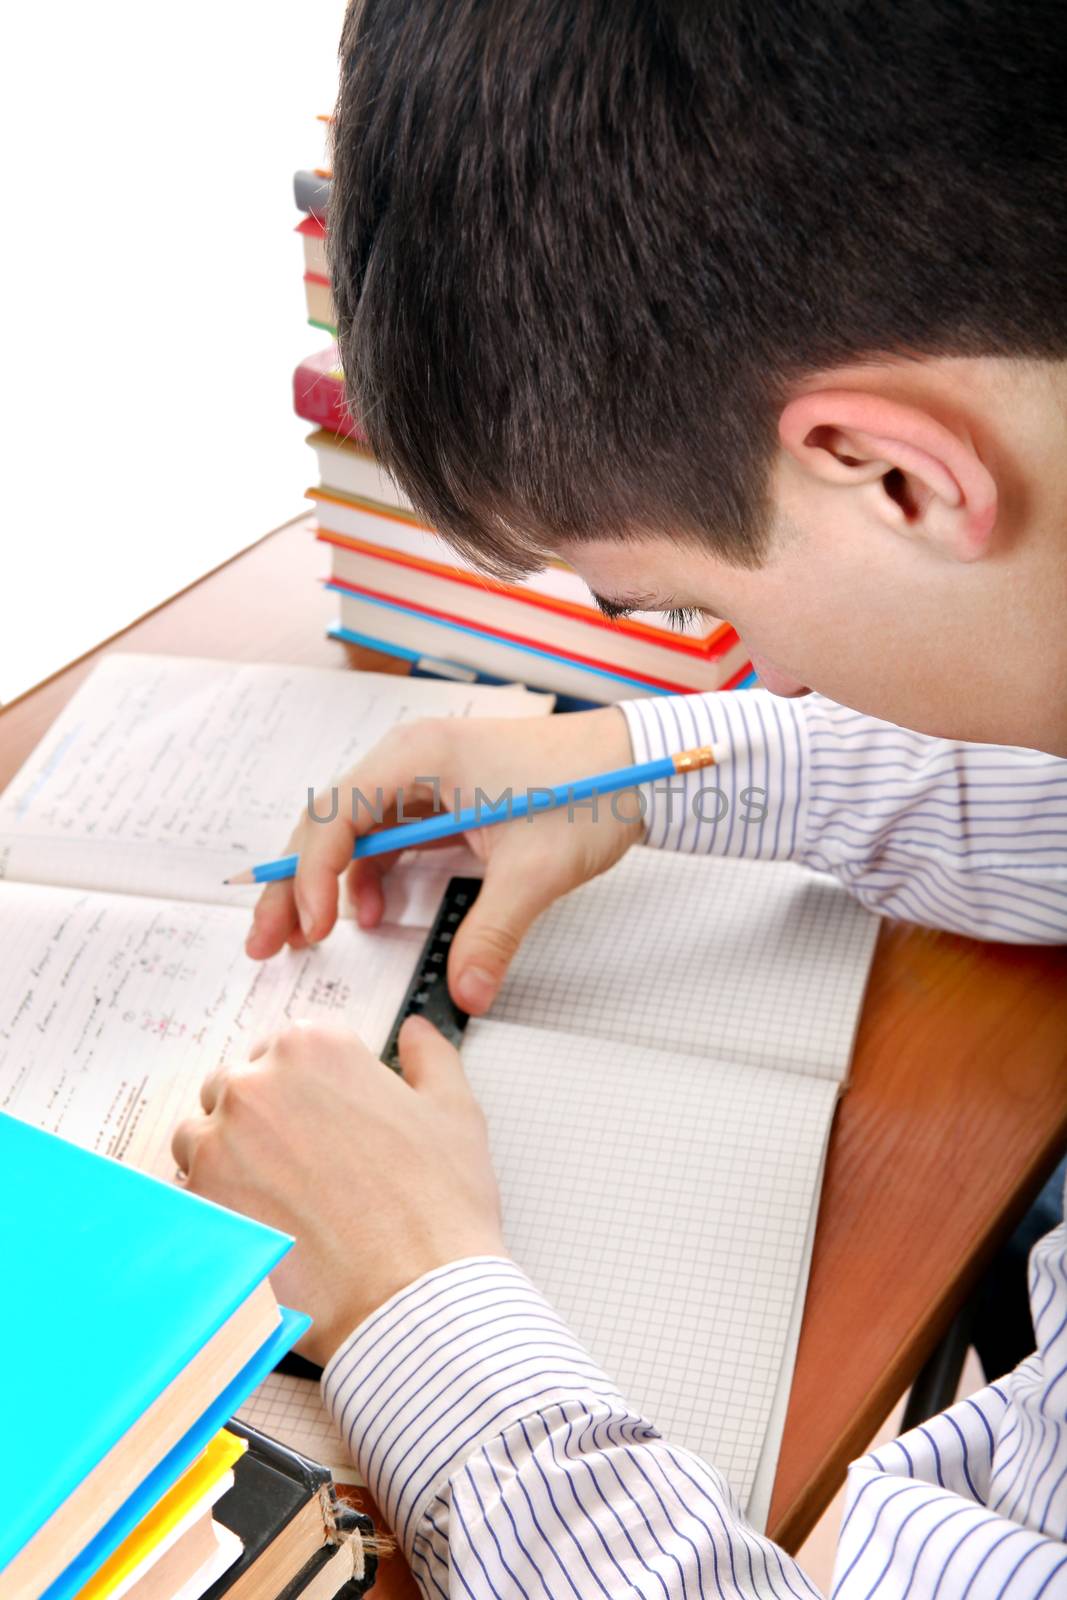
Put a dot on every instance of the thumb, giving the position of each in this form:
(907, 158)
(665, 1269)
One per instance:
(428, 1063)
(491, 932)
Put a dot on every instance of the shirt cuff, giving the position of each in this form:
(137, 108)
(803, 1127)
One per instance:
(445, 1365)
(753, 803)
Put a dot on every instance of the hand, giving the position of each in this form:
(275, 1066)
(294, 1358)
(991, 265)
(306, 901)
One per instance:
(379, 1179)
(529, 862)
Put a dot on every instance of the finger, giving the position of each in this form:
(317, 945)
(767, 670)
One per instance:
(366, 877)
(366, 892)
(273, 921)
(428, 1063)
(213, 1085)
(187, 1137)
(491, 932)
(365, 800)
(211, 1088)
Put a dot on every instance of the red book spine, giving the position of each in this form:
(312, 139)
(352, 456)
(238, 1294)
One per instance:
(319, 396)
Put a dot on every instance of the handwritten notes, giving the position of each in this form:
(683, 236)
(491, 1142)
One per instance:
(166, 774)
(113, 1009)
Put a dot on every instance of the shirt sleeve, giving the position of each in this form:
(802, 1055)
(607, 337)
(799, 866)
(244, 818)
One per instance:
(967, 837)
(507, 1463)
(974, 1502)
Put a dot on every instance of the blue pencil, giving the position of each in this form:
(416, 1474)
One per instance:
(447, 824)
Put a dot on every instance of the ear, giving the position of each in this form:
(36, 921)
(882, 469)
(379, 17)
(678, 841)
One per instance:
(923, 477)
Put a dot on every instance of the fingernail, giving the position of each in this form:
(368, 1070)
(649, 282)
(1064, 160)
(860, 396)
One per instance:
(305, 922)
(476, 988)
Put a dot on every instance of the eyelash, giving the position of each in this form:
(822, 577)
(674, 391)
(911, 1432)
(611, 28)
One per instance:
(680, 620)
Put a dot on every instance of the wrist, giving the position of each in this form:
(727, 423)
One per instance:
(337, 1323)
(453, 1360)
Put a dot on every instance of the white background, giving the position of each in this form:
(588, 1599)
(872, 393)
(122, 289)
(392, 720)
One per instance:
(151, 304)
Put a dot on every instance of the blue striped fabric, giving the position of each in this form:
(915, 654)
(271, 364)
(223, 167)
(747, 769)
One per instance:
(968, 837)
(507, 1462)
(509, 1465)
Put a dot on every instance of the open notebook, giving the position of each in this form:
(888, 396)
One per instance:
(659, 1072)
(123, 976)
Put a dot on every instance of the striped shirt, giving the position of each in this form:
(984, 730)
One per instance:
(508, 1464)
(968, 837)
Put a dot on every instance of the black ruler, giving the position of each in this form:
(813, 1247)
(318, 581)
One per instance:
(428, 994)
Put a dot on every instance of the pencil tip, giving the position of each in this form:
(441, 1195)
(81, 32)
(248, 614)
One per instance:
(238, 878)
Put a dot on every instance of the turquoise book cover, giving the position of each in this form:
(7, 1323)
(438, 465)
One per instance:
(112, 1283)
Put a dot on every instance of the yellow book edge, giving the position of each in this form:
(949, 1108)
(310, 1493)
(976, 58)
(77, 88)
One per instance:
(191, 1488)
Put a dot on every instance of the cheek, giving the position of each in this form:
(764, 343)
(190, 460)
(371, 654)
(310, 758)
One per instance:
(799, 646)
(789, 652)
(833, 655)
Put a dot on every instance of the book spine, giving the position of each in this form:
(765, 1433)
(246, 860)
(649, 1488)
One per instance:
(536, 670)
(319, 300)
(504, 636)
(709, 648)
(312, 193)
(427, 667)
(453, 671)
(319, 397)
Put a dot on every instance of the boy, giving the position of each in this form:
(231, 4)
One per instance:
(752, 308)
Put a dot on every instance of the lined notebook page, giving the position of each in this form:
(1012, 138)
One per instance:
(750, 961)
(113, 1008)
(662, 1204)
(165, 774)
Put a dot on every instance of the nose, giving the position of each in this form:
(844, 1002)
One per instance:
(777, 681)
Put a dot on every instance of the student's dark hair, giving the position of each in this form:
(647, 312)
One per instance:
(582, 248)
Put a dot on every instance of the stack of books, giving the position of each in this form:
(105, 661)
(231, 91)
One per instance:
(402, 590)
(147, 1317)
(311, 191)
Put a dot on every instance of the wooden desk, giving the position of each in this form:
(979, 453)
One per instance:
(956, 1110)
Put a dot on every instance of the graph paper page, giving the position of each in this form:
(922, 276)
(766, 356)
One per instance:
(664, 1199)
(165, 774)
(665, 1206)
(662, 1204)
(750, 961)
